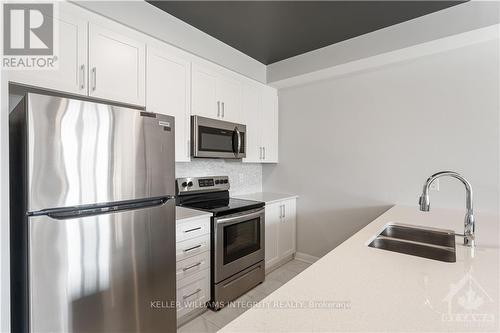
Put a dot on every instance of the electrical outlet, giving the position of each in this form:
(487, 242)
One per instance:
(435, 185)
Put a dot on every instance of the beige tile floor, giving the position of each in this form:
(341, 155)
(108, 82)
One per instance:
(210, 321)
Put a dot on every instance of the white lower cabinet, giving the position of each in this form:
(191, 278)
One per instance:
(192, 266)
(280, 231)
(193, 293)
(271, 236)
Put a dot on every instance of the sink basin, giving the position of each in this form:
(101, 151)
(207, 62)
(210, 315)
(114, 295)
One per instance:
(430, 243)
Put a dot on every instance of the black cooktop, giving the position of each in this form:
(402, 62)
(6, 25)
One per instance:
(217, 203)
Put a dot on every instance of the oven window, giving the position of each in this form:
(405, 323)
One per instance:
(241, 239)
(215, 139)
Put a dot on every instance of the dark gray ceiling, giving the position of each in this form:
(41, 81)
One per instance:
(270, 31)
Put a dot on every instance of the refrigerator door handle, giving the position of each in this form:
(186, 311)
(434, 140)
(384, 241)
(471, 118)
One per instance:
(83, 211)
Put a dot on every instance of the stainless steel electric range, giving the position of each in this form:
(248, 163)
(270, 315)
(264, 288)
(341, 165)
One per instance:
(237, 256)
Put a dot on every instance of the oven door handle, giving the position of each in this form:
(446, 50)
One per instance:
(240, 218)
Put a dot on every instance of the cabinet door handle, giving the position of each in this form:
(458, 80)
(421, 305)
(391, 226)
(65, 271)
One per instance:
(191, 230)
(264, 154)
(223, 110)
(192, 266)
(188, 148)
(82, 76)
(284, 211)
(218, 109)
(94, 78)
(193, 248)
(193, 293)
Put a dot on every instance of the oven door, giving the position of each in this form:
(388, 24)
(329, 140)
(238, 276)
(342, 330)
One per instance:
(238, 242)
(217, 139)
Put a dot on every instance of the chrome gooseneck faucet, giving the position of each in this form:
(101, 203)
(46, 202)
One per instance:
(469, 223)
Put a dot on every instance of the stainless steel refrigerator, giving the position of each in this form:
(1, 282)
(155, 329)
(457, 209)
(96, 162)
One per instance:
(92, 217)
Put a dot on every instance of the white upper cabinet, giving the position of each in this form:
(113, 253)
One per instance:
(269, 125)
(252, 118)
(260, 114)
(204, 94)
(215, 94)
(116, 64)
(169, 92)
(229, 97)
(71, 73)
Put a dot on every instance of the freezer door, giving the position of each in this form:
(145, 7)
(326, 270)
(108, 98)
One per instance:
(104, 273)
(82, 152)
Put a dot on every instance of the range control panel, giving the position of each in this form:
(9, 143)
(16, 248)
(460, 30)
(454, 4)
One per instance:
(202, 184)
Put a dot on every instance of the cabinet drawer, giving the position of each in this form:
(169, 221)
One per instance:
(192, 229)
(193, 265)
(192, 247)
(193, 292)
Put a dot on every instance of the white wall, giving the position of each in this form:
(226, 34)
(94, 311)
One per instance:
(243, 177)
(353, 146)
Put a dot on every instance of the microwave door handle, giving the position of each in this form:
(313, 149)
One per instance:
(239, 140)
(237, 149)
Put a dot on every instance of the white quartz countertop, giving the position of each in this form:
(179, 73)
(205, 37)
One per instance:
(358, 288)
(267, 197)
(182, 213)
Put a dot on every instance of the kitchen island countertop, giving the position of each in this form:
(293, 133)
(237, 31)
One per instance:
(358, 288)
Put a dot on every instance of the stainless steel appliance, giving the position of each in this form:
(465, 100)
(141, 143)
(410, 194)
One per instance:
(237, 258)
(217, 139)
(92, 217)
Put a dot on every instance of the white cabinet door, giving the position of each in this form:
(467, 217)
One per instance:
(214, 94)
(168, 92)
(272, 256)
(229, 97)
(71, 73)
(270, 125)
(204, 92)
(117, 66)
(252, 118)
(286, 232)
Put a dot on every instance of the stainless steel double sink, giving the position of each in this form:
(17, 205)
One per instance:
(430, 243)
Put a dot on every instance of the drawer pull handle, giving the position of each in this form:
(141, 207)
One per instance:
(192, 248)
(190, 230)
(193, 293)
(192, 266)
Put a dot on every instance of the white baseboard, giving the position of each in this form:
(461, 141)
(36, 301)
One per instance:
(305, 257)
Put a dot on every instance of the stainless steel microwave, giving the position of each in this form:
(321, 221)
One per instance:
(213, 138)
